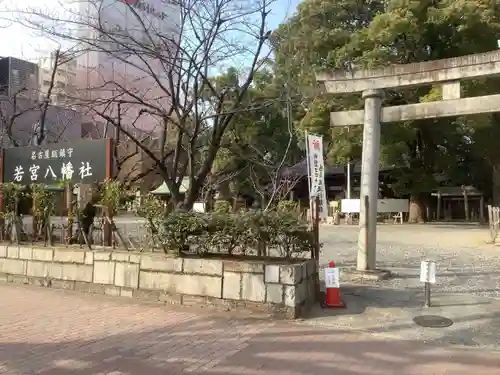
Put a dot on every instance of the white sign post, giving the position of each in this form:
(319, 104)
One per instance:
(428, 277)
(332, 279)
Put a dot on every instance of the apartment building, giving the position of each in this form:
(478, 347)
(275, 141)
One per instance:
(64, 89)
(108, 71)
(18, 78)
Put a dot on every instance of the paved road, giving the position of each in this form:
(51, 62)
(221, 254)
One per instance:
(53, 332)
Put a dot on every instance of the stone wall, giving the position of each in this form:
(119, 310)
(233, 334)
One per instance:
(277, 288)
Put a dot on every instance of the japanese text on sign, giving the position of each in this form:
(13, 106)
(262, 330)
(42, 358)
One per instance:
(52, 154)
(78, 161)
(332, 279)
(65, 173)
(317, 172)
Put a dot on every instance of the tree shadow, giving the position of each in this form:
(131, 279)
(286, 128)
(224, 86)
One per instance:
(376, 310)
(406, 276)
(326, 353)
(360, 297)
(446, 274)
(457, 225)
(217, 346)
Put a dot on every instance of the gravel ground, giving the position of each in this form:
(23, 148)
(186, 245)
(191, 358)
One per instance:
(465, 262)
(467, 288)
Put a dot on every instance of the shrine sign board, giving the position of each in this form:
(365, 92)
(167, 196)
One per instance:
(79, 161)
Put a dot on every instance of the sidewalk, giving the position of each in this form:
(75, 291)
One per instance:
(54, 332)
(387, 312)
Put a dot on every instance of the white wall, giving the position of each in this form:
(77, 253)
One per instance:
(383, 205)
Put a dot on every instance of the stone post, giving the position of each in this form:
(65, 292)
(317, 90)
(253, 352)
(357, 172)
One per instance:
(481, 209)
(438, 213)
(367, 240)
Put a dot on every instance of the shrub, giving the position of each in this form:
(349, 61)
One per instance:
(179, 227)
(250, 233)
(152, 209)
(288, 206)
(222, 207)
(113, 195)
(11, 193)
(290, 235)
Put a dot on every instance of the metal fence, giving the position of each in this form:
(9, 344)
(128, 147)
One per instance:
(132, 230)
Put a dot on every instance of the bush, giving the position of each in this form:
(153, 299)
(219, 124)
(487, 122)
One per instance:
(273, 233)
(11, 193)
(222, 207)
(288, 207)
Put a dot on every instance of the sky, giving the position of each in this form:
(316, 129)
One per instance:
(282, 9)
(23, 43)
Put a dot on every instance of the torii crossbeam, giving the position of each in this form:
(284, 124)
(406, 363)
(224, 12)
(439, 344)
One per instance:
(447, 72)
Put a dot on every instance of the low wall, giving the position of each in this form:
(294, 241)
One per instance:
(279, 289)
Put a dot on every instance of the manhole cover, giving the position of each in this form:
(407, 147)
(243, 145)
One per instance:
(433, 321)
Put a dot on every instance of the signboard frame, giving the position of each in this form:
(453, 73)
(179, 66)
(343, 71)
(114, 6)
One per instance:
(81, 161)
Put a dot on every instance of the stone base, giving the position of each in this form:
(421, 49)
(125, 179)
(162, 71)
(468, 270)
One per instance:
(370, 275)
(278, 287)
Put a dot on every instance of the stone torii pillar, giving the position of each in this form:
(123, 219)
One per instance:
(367, 239)
(447, 73)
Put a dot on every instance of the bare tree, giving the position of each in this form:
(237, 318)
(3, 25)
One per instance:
(26, 112)
(279, 185)
(270, 176)
(166, 85)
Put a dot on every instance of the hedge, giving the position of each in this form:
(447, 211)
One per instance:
(275, 233)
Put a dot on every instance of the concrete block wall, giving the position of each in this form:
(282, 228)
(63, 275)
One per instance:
(289, 286)
(285, 290)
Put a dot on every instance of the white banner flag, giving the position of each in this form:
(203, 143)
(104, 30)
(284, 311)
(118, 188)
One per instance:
(316, 172)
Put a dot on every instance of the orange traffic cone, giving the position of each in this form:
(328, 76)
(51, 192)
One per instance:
(332, 283)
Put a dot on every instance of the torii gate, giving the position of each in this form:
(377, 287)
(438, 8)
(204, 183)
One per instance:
(371, 83)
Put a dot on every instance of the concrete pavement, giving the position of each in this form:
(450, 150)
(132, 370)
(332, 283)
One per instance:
(389, 313)
(55, 332)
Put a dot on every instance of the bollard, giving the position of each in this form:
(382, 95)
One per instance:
(428, 277)
(427, 294)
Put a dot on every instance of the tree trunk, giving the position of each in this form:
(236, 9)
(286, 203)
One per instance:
(417, 210)
(496, 184)
(108, 227)
(175, 198)
(192, 195)
(224, 191)
(69, 208)
(88, 215)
